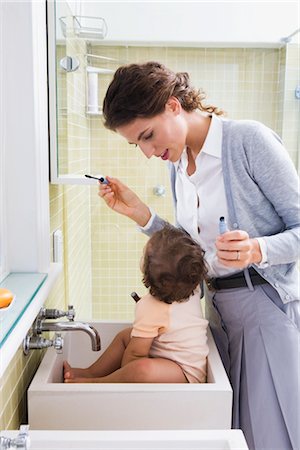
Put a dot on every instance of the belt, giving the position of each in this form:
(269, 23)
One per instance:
(236, 280)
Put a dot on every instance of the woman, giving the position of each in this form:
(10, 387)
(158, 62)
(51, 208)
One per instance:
(239, 170)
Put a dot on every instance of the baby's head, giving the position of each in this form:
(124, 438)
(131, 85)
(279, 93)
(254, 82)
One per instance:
(173, 265)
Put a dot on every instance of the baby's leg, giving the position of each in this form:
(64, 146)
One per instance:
(107, 363)
(142, 370)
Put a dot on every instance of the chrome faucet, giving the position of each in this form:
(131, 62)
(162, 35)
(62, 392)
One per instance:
(72, 326)
(57, 313)
(22, 441)
(36, 341)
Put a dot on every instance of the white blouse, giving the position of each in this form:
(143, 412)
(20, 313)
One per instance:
(201, 199)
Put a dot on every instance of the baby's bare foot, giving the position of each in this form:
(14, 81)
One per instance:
(72, 373)
(82, 380)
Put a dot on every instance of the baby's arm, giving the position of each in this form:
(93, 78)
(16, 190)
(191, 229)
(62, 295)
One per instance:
(138, 347)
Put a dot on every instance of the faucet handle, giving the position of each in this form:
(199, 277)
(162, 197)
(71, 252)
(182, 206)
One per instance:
(70, 313)
(50, 313)
(46, 313)
(22, 441)
(58, 343)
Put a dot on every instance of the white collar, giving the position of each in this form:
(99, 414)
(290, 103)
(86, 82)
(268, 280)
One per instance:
(212, 145)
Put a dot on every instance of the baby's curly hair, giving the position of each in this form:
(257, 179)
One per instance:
(173, 265)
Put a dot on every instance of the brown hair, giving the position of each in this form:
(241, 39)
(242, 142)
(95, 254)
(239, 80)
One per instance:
(142, 90)
(173, 265)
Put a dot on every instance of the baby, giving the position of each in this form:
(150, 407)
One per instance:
(168, 340)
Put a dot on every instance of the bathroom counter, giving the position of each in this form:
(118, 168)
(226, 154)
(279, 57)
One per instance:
(139, 440)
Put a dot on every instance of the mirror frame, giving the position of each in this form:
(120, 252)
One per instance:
(55, 177)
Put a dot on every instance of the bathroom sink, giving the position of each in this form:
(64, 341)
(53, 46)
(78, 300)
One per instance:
(147, 440)
(124, 406)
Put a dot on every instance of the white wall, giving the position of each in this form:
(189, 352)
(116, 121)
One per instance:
(3, 247)
(226, 23)
(24, 136)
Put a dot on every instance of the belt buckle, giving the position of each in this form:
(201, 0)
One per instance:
(210, 284)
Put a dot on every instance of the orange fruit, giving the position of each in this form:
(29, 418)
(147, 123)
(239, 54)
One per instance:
(5, 297)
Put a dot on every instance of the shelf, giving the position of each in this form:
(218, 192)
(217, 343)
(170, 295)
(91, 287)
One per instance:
(31, 291)
(24, 286)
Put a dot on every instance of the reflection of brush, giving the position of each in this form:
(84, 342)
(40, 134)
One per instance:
(135, 297)
(101, 179)
(223, 225)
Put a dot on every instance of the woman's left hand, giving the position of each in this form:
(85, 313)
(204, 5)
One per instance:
(235, 249)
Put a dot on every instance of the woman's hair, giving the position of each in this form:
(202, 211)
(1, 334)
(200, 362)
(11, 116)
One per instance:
(142, 90)
(173, 265)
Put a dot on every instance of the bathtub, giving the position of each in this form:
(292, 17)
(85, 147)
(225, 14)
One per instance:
(147, 440)
(124, 406)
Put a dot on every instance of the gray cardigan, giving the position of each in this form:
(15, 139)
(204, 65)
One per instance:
(262, 192)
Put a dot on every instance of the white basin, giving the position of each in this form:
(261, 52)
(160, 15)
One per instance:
(148, 440)
(124, 406)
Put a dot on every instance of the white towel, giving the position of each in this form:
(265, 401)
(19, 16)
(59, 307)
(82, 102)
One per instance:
(92, 106)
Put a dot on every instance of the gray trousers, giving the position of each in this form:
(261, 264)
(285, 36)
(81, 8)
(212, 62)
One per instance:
(259, 342)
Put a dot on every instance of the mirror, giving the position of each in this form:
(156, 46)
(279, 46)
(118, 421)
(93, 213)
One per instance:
(246, 82)
(249, 81)
(77, 82)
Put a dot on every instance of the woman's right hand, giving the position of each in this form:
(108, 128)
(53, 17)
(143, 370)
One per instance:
(124, 201)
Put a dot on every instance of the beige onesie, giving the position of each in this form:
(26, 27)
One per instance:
(179, 331)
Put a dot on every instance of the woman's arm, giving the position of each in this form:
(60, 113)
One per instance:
(123, 200)
(276, 176)
(264, 199)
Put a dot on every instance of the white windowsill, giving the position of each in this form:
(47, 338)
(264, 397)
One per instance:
(16, 336)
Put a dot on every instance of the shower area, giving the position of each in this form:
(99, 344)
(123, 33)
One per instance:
(101, 249)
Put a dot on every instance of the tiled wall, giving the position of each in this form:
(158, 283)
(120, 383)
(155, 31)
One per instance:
(14, 384)
(102, 249)
(116, 244)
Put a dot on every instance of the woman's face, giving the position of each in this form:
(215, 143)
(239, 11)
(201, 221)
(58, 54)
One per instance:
(163, 135)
